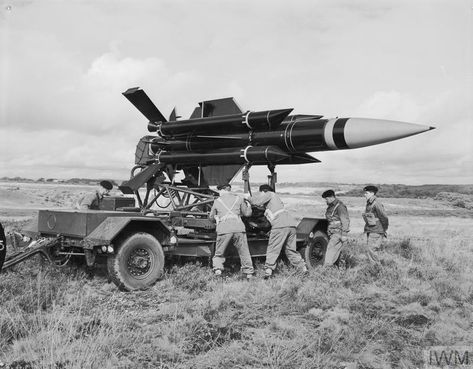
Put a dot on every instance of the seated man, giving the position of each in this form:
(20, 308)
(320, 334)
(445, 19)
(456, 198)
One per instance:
(92, 200)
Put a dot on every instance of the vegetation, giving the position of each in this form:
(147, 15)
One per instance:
(375, 316)
(414, 192)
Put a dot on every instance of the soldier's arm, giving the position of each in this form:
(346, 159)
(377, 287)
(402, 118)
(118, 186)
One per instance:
(344, 219)
(260, 198)
(382, 216)
(87, 201)
(245, 208)
(213, 212)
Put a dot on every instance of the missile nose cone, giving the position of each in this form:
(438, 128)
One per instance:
(431, 128)
(360, 132)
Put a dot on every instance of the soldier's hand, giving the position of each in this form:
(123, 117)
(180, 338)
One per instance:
(344, 238)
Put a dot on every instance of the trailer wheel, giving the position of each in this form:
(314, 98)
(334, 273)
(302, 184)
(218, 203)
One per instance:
(314, 251)
(137, 263)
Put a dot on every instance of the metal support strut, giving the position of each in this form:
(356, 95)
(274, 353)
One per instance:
(273, 177)
(245, 176)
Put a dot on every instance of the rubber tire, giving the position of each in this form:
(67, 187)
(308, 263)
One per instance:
(117, 263)
(310, 253)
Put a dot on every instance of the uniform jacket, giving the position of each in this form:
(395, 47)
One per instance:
(277, 215)
(376, 220)
(338, 219)
(90, 201)
(227, 211)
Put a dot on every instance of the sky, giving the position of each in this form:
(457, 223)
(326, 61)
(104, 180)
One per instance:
(64, 65)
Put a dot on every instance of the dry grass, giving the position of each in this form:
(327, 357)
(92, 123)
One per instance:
(377, 317)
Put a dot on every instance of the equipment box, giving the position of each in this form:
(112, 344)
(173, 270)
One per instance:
(116, 202)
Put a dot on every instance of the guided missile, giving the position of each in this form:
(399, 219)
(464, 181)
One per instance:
(220, 133)
(302, 135)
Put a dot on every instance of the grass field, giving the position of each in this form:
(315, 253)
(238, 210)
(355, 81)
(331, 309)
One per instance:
(375, 317)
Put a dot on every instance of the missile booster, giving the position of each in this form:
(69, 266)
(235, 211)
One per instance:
(254, 155)
(249, 121)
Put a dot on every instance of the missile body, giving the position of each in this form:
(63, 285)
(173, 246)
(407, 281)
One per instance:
(249, 154)
(301, 135)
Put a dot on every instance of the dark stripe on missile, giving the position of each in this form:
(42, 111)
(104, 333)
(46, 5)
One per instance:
(338, 133)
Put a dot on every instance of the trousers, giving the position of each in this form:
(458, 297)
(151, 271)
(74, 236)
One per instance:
(334, 247)
(280, 238)
(373, 243)
(240, 242)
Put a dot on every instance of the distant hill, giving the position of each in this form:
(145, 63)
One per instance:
(76, 181)
(417, 192)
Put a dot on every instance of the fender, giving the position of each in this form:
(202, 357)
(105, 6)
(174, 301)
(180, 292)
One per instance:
(113, 227)
(307, 225)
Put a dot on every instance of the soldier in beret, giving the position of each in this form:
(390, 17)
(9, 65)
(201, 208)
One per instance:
(338, 226)
(92, 201)
(376, 223)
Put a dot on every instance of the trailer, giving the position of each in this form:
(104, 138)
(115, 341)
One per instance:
(137, 241)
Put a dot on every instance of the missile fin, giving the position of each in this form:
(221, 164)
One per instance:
(300, 158)
(212, 108)
(143, 103)
(218, 174)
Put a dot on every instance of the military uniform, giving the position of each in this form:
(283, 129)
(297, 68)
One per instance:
(376, 225)
(90, 201)
(227, 211)
(3, 246)
(93, 200)
(338, 227)
(283, 230)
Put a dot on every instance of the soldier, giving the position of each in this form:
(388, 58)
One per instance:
(226, 211)
(92, 200)
(338, 226)
(283, 230)
(3, 246)
(376, 223)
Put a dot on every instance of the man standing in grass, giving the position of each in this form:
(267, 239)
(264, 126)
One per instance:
(3, 246)
(227, 211)
(283, 230)
(338, 226)
(376, 223)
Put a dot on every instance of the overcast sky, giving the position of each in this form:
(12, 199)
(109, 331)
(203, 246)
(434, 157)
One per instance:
(64, 65)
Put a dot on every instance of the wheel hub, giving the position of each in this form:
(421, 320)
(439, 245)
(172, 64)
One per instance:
(139, 262)
(317, 251)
